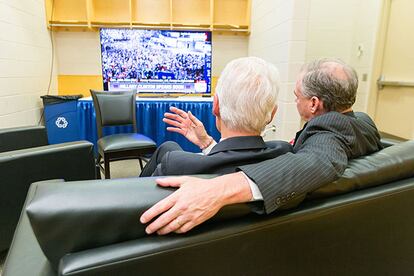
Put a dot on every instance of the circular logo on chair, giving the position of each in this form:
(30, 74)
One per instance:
(61, 122)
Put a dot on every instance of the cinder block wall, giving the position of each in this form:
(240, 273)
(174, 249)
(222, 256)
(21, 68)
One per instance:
(25, 62)
(278, 34)
(346, 29)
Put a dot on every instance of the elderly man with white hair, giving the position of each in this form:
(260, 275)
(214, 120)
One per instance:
(244, 103)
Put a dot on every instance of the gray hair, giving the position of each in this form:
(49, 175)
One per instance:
(247, 92)
(332, 81)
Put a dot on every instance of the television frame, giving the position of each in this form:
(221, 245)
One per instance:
(167, 85)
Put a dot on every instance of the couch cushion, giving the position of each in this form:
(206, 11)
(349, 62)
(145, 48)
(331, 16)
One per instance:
(341, 235)
(88, 214)
(387, 165)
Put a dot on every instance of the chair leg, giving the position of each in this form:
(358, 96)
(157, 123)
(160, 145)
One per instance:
(107, 171)
(140, 163)
(98, 167)
(98, 171)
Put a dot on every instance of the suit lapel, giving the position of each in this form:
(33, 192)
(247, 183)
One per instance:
(298, 135)
(239, 143)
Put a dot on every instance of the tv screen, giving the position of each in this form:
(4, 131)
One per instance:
(156, 61)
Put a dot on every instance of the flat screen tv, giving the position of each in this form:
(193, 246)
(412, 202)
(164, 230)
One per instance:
(156, 61)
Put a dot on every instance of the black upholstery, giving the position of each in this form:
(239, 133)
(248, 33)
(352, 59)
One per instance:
(387, 165)
(115, 201)
(34, 261)
(389, 139)
(19, 168)
(365, 231)
(22, 138)
(118, 108)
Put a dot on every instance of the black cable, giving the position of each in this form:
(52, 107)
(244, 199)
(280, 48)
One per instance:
(51, 63)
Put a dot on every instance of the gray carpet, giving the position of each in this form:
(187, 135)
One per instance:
(124, 168)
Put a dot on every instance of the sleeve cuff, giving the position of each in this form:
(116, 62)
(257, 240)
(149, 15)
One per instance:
(209, 148)
(256, 194)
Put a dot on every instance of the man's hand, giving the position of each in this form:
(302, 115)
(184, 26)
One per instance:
(194, 202)
(189, 126)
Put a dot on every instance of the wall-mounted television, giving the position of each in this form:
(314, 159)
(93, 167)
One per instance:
(156, 61)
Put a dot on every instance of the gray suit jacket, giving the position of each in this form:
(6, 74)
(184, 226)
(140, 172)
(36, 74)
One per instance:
(320, 155)
(224, 158)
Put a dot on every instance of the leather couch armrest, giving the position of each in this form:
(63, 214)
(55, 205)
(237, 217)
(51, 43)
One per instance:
(97, 213)
(20, 168)
(25, 256)
(22, 138)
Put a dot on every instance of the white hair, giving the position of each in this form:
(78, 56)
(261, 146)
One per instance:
(247, 92)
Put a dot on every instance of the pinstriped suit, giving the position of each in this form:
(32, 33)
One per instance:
(321, 153)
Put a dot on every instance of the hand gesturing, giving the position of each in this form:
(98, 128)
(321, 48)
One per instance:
(189, 126)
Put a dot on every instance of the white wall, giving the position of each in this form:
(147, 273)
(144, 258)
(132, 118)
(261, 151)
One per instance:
(290, 33)
(337, 29)
(278, 35)
(227, 48)
(25, 62)
(78, 53)
(86, 60)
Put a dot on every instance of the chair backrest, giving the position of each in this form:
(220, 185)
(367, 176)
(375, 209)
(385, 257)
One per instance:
(114, 108)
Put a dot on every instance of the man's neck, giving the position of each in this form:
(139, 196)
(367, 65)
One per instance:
(347, 110)
(324, 112)
(228, 133)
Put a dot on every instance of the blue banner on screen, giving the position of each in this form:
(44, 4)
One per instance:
(156, 61)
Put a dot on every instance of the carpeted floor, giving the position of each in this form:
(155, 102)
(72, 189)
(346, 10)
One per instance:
(124, 168)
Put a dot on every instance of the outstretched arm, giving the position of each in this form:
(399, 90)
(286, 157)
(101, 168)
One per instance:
(186, 124)
(194, 202)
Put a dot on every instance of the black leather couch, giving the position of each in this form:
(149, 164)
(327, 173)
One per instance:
(361, 224)
(26, 157)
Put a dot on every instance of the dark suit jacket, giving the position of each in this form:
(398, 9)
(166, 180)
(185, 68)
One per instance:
(224, 158)
(320, 155)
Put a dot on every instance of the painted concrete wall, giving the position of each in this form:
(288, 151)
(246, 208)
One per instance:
(25, 62)
(279, 35)
(290, 33)
(345, 29)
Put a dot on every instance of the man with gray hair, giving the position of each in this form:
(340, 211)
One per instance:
(243, 81)
(325, 92)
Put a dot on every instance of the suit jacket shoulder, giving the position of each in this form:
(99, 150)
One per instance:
(321, 153)
(355, 133)
(225, 157)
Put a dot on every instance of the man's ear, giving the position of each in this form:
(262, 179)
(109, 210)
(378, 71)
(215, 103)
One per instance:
(273, 114)
(216, 106)
(316, 105)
